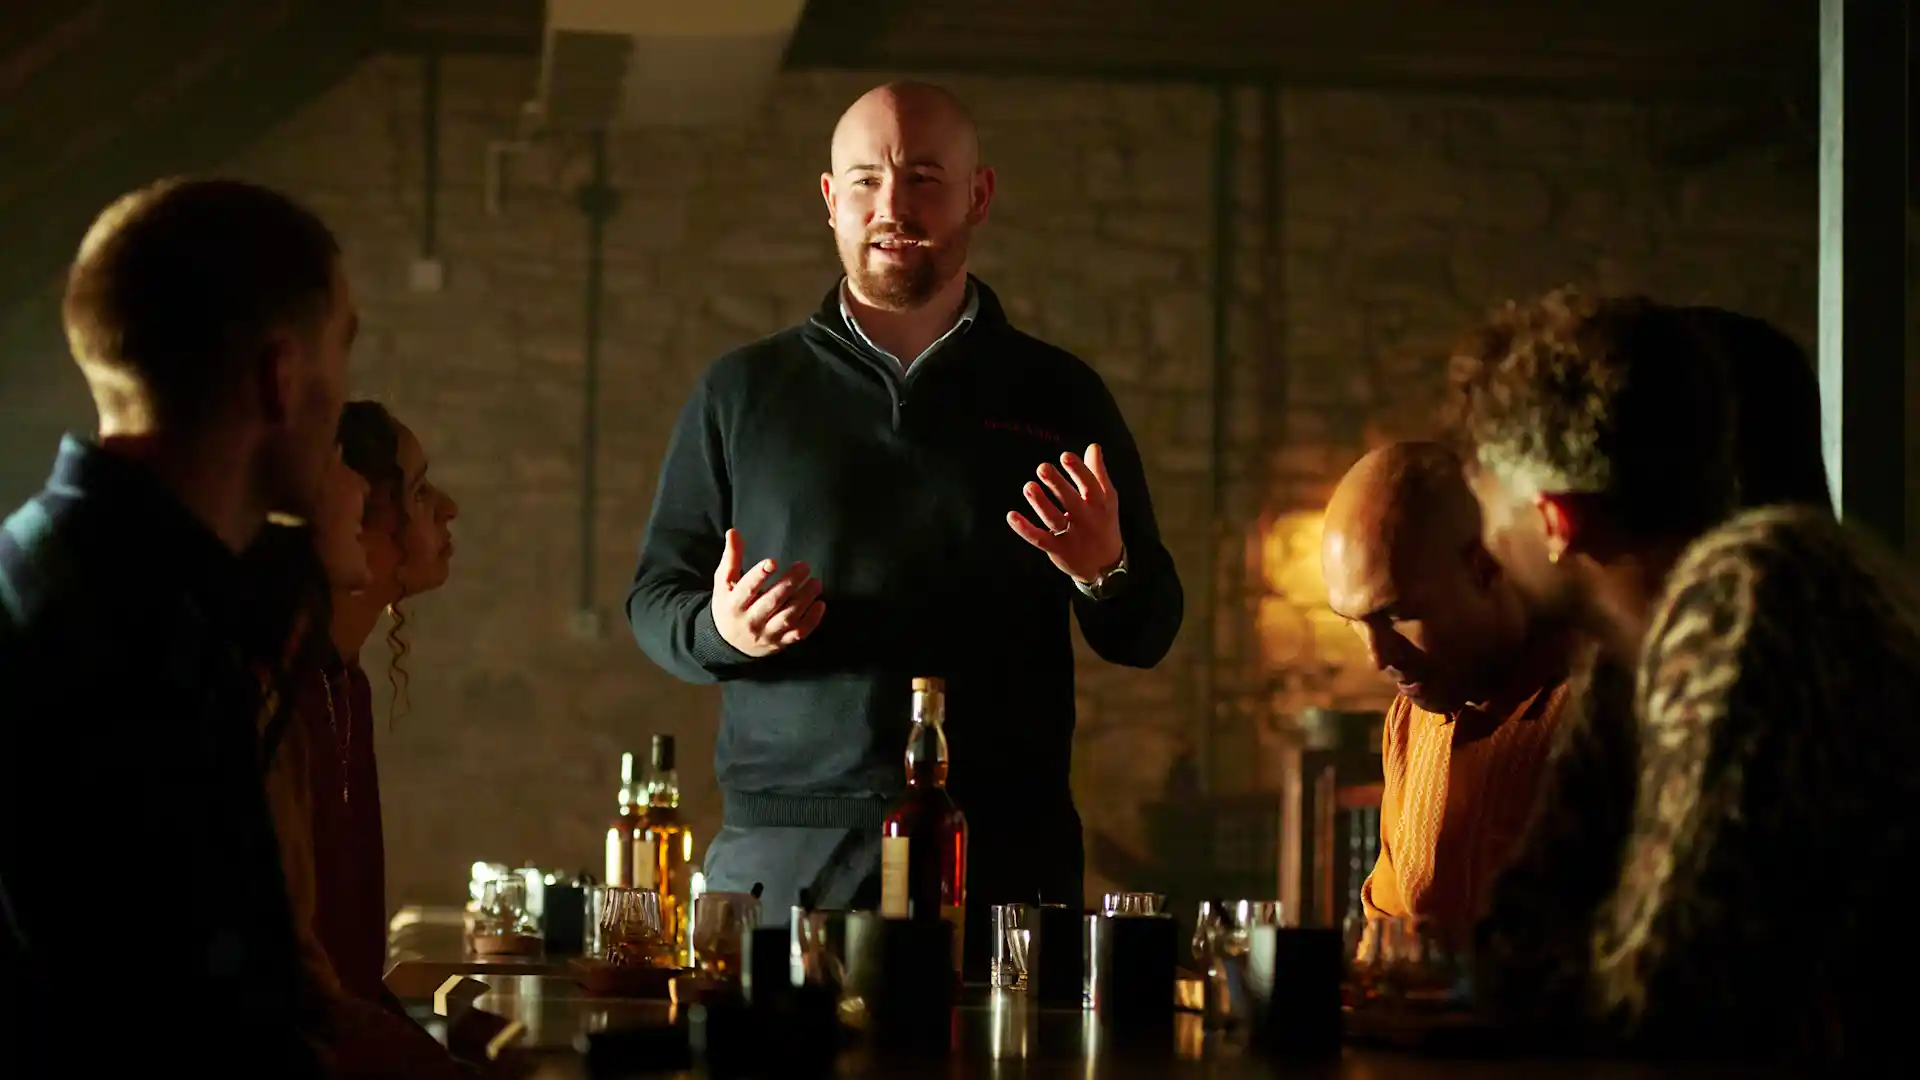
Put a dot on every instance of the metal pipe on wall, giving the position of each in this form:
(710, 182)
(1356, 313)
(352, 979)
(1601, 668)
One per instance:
(1220, 284)
(598, 202)
(1273, 391)
(1274, 370)
(430, 155)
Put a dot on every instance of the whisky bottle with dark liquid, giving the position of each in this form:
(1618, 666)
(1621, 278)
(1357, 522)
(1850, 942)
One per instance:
(923, 845)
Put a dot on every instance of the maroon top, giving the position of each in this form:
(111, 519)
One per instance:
(349, 848)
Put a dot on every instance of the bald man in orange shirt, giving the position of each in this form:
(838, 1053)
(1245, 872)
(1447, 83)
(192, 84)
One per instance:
(1466, 740)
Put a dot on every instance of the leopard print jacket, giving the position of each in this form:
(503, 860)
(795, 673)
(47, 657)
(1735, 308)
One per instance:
(1726, 829)
(1779, 706)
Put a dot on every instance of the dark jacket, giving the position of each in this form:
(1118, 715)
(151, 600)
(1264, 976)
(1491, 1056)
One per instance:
(130, 787)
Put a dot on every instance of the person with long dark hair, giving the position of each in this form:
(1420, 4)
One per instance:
(1776, 415)
(407, 543)
(293, 572)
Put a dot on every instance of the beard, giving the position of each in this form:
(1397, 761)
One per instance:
(912, 279)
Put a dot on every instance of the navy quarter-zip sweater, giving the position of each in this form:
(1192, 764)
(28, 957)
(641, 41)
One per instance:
(895, 489)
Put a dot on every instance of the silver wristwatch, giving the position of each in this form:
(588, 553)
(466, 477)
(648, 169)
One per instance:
(1108, 582)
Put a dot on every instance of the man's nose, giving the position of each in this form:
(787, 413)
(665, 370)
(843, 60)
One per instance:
(888, 207)
(1376, 650)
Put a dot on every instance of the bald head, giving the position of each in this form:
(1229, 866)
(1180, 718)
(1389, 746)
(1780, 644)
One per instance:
(930, 118)
(904, 193)
(1400, 502)
(1404, 566)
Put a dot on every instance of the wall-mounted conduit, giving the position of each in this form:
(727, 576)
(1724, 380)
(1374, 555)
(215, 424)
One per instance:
(430, 156)
(598, 203)
(1225, 167)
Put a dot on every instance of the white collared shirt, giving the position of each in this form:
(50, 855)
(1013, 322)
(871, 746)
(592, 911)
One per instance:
(968, 313)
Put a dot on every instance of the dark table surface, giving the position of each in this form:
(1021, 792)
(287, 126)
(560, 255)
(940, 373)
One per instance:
(1003, 1036)
(996, 1035)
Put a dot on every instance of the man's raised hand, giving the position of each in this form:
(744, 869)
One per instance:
(760, 613)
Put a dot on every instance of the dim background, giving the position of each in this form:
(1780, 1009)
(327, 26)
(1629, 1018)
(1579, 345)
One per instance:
(1388, 172)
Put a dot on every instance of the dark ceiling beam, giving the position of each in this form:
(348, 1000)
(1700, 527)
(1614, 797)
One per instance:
(464, 27)
(24, 23)
(1720, 49)
(158, 94)
(1411, 78)
(34, 41)
(1715, 49)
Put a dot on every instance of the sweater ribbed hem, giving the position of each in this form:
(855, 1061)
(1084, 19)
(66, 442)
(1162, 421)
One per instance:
(759, 809)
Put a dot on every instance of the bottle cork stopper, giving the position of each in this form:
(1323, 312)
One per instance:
(929, 683)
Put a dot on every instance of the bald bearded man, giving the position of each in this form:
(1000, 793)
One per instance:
(1467, 738)
(902, 485)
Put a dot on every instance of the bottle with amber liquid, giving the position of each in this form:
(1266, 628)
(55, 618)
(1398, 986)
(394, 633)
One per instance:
(923, 844)
(624, 831)
(667, 847)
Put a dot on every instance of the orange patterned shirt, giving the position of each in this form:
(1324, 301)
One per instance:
(1459, 793)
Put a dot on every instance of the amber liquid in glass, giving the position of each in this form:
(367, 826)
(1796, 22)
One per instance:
(923, 845)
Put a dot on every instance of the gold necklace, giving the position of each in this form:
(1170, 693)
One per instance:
(345, 751)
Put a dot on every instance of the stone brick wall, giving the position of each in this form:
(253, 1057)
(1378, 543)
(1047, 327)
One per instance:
(1398, 220)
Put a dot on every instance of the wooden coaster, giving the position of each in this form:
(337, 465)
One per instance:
(624, 980)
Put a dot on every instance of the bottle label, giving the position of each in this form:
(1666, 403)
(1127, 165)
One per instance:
(643, 863)
(616, 847)
(893, 877)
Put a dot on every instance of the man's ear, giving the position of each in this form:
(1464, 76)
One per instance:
(277, 378)
(826, 195)
(1559, 524)
(980, 195)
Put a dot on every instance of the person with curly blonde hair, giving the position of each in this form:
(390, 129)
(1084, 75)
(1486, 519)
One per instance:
(1726, 819)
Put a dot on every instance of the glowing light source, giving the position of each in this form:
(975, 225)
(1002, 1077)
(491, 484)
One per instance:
(1297, 631)
(1290, 557)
